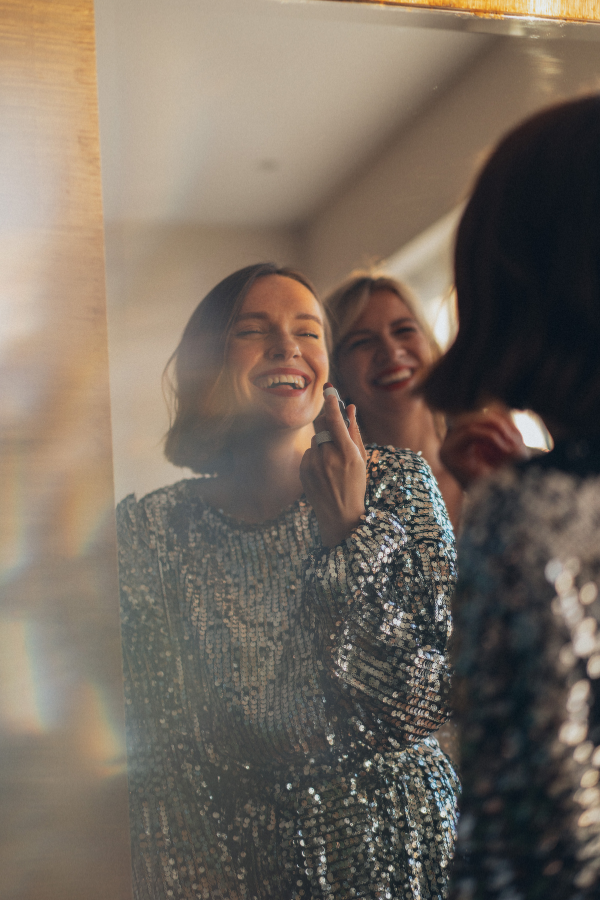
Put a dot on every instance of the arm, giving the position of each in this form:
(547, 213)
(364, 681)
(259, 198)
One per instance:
(171, 780)
(381, 604)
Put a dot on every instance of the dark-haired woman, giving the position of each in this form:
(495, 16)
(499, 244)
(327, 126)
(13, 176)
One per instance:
(528, 609)
(284, 627)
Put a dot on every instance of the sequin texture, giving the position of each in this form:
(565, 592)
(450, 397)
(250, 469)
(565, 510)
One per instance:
(282, 699)
(528, 688)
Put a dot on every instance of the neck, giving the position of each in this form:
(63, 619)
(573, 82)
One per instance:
(412, 428)
(415, 429)
(264, 476)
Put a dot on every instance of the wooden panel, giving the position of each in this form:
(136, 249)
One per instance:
(63, 831)
(567, 10)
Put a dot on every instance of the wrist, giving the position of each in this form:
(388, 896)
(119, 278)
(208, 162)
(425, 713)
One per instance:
(335, 532)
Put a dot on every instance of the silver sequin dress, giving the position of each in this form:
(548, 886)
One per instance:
(528, 683)
(282, 698)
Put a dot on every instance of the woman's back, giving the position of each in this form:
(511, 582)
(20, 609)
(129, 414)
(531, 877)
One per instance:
(527, 265)
(528, 672)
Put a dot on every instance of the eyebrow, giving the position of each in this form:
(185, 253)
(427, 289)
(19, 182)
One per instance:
(262, 315)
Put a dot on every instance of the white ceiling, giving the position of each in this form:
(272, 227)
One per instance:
(252, 112)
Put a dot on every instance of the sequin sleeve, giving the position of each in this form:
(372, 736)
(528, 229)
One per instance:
(169, 769)
(381, 604)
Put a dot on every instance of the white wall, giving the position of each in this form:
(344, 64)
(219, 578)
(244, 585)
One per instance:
(426, 171)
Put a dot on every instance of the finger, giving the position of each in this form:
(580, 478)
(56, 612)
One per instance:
(308, 462)
(354, 431)
(320, 439)
(488, 433)
(320, 423)
(335, 421)
(504, 433)
(480, 430)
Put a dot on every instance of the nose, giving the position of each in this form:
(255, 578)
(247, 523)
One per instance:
(389, 349)
(283, 346)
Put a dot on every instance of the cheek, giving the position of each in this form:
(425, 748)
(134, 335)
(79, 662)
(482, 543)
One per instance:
(427, 355)
(324, 365)
(421, 350)
(317, 360)
(239, 361)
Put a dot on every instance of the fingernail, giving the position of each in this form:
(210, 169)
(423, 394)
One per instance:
(327, 385)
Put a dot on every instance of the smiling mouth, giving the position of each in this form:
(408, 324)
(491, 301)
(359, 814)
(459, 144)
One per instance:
(393, 379)
(293, 382)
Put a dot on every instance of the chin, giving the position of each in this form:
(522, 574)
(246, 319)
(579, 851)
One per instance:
(281, 422)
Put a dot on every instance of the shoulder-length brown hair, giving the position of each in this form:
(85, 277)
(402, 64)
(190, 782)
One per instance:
(346, 303)
(200, 418)
(527, 264)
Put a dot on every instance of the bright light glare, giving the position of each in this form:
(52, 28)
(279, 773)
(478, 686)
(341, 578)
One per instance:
(533, 431)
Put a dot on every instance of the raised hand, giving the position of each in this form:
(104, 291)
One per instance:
(479, 443)
(334, 474)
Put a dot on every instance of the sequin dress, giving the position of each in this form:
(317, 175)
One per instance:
(282, 698)
(528, 683)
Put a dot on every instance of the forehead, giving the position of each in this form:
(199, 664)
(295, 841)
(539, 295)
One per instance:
(383, 308)
(279, 296)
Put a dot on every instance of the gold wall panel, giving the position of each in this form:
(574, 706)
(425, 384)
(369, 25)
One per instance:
(567, 10)
(63, 829)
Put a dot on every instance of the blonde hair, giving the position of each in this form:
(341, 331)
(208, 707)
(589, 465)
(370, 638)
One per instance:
(347, 303)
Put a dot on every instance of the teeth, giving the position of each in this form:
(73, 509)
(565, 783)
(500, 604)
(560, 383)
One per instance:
(393, 377)
(268, 381)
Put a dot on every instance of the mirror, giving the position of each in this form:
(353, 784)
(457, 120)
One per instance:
(323, 135)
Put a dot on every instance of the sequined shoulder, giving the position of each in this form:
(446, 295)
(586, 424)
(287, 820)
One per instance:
(400, 480)
(394, 462)
(538, 505)
(170, 495)
(528, 657)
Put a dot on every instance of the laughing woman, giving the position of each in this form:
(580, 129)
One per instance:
(284, 627)
(383, 348)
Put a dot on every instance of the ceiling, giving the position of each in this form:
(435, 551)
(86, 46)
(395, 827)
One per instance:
(254, 112)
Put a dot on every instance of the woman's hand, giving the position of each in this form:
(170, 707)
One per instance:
(479, 443)
(334, 474)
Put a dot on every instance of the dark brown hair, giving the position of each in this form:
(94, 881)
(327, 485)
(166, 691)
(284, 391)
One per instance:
(527, 264)
(200, 419)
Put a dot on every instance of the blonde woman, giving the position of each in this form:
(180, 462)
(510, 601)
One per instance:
(383, 348)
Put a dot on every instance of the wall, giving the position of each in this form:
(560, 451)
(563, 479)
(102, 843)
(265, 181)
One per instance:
(426, 171)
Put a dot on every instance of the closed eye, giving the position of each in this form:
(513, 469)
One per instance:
(359, 342)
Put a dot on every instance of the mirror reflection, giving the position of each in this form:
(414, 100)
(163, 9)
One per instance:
(247, 130)
(326, 140)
